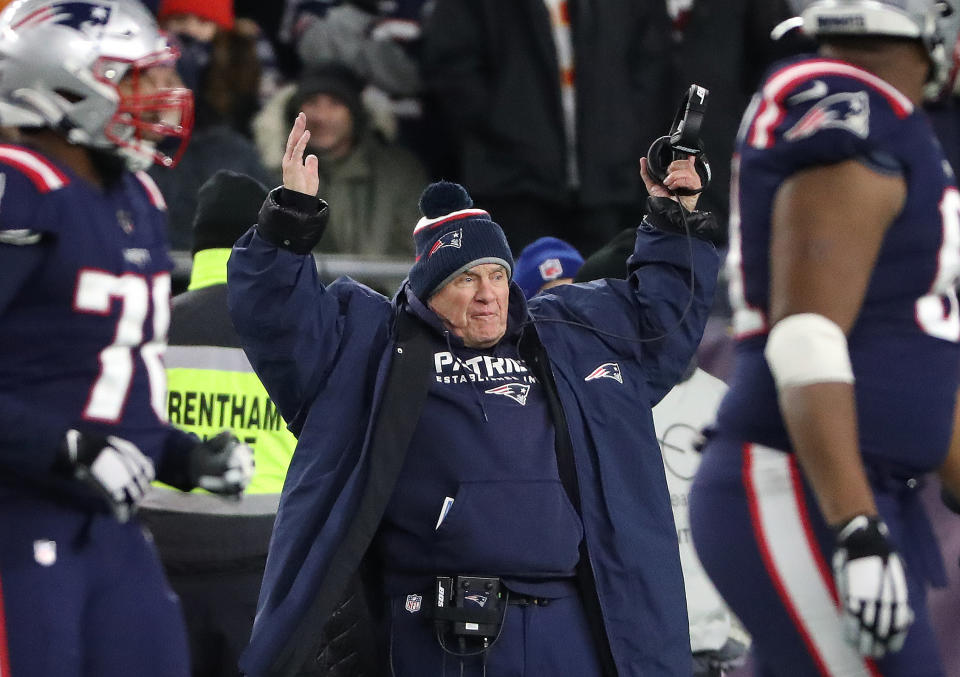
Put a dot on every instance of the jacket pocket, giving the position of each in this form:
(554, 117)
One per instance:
(510, 527)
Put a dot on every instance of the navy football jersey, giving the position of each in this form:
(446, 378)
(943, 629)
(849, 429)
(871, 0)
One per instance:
(81, 343)
(904, 344)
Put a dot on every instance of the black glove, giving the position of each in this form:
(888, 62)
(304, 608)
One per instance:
(221, 465)
(112, 467)
(667, 215)
(872, 587)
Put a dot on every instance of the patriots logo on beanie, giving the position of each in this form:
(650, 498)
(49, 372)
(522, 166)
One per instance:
(453, 237)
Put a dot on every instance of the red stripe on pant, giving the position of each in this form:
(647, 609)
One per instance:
(4, 647)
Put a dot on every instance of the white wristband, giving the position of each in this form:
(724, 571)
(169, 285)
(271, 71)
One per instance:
(807, 348)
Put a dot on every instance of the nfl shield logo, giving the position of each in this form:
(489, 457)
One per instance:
(413, 603)
(551, 269)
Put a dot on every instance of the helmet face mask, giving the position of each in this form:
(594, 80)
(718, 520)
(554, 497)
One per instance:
(98, 71)
(923, 20)
(153, 120)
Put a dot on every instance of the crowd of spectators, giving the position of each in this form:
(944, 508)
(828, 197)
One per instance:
(543, 108)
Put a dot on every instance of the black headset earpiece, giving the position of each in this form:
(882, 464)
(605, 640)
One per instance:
(659, 158)
(683, 140)
(661, 154)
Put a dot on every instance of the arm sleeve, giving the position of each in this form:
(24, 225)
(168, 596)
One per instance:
(653, 316)
(29, 436)
(292, 326)
(173, 466)
(662, 269)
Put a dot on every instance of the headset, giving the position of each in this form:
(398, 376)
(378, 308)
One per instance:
(683, 140)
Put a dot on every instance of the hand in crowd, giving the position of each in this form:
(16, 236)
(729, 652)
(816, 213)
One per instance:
(299, 173)
(680, 174)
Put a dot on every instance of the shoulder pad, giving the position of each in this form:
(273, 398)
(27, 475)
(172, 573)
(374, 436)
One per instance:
(803, 98)
(27, 178)
(152, 190)
(41, 172)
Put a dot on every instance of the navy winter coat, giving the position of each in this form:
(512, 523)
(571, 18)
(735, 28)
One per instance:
(322, 352)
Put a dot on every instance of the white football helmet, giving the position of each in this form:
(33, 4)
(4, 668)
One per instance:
(924, 20)
(61, 67)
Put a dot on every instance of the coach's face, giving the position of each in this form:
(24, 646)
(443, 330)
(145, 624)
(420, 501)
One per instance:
(474, 305)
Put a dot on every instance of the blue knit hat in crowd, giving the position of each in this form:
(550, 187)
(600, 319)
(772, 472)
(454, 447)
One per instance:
(453, 237)
(543, 260)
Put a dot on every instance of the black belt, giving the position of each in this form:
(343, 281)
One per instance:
(527, 600)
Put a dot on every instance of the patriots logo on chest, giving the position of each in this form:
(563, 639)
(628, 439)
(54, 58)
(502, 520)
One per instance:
(515, 391)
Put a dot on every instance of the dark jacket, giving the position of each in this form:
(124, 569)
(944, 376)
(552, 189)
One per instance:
(324, 351)
(490, 67)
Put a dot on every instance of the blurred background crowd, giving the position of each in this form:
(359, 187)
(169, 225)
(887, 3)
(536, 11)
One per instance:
(542, 108)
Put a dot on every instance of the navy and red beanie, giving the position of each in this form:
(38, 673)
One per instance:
(452, 237)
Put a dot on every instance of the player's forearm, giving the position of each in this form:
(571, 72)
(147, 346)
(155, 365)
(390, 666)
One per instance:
(821, 420)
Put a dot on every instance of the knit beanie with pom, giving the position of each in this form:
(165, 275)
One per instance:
(452, 237)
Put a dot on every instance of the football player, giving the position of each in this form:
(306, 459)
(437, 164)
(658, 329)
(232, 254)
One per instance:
(87, 89)
(844, 255)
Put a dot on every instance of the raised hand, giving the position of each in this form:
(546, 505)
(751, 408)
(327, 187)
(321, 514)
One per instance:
(680, 174)
(300, 174)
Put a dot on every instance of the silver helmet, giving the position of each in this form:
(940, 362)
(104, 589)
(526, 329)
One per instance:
(83, 67)
(928, 21)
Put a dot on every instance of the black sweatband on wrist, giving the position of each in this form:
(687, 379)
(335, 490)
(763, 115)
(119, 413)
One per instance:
(292, 220)
(668, 216)
(863, 536)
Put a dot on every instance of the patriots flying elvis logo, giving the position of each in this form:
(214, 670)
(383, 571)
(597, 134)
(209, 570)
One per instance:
(452, 239)
(87, 17)
(606, 370)
(844, 110)
(515, 391)
(478, 599)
